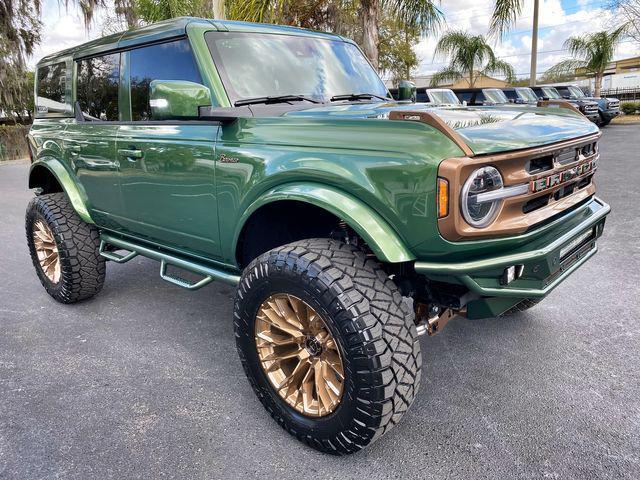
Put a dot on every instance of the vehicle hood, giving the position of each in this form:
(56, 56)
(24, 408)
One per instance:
(604, 100)
(484, 129)
(583, 101)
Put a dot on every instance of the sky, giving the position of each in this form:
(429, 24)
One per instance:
(558, 20)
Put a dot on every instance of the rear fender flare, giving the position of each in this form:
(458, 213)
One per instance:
(73, 190)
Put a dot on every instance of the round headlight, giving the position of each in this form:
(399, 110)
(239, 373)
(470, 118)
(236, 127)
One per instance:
(477, 209)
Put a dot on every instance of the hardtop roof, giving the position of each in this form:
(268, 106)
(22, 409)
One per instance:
(175, 27)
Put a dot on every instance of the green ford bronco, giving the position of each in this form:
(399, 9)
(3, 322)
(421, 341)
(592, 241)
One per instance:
(272, 158)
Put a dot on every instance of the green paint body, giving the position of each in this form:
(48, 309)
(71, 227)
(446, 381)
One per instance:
(377, 175)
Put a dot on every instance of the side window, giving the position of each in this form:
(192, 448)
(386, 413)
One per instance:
(97, 88)
(464, 96)
(52, 89)
(165, 61)
(511, 94)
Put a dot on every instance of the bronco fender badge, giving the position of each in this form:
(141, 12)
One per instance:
(225, 159)
(558, 178)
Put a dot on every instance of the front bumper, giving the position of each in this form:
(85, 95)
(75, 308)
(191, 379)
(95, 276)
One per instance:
(594, 117)
(542, 266)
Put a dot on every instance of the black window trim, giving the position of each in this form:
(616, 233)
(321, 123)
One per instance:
(77, 114)
(125, 50)
(69, 79)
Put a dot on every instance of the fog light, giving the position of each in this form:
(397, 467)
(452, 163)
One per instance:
(511, 273)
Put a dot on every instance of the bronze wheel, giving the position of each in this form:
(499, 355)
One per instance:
(299, 355)
(46, 250)
(64, 249)
(327, 342)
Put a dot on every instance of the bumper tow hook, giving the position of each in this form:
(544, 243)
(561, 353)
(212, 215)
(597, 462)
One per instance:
(431, 319)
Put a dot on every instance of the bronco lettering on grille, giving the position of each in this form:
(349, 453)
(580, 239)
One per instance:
(564, 176)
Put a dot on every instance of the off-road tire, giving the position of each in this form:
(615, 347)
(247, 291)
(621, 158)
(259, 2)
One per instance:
(524, 305)
(78, 243)
(373, 327)
(603, 122)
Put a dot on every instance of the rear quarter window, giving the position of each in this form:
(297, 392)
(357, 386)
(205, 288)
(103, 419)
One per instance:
(97, 88)
(53, 92)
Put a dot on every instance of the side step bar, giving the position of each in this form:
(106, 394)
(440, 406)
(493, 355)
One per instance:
(165, 260)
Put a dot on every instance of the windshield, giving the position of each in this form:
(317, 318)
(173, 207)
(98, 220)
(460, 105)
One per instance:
(550, 92)
(443, 97)
(495, 96)
(526, 94)
(575, 92)
(263, 65)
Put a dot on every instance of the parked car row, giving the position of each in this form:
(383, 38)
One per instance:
(599, 110)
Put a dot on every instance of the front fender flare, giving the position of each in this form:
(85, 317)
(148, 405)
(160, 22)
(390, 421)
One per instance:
(374, 230)
(75, 192)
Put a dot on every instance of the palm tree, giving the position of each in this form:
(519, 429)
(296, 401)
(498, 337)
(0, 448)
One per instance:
(592, 52)
(422, 15)
(469, 57)
(19, 34)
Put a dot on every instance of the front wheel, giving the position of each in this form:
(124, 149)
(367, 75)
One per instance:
(327, 343)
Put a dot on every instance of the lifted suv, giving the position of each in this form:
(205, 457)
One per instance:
(587, 107)
(608, 108)
(272, 159)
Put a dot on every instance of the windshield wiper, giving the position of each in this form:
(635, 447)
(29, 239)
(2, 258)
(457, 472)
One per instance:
(358, 96)
(275, 99)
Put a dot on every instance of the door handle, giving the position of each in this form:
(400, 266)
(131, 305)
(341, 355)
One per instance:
(130, 153)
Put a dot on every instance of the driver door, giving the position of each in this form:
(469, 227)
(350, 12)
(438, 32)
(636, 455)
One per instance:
(167, 174)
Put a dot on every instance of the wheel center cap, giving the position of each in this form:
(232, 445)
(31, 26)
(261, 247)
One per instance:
(313, 346)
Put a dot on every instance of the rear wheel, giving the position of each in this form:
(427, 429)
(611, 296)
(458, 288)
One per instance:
(64, 249)
(327, 343)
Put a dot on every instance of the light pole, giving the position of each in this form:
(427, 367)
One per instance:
(534, 45)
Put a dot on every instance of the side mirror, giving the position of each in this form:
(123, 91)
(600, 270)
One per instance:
(180, 99)
(406, 91)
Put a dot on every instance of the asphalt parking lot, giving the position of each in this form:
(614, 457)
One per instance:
(144, 382)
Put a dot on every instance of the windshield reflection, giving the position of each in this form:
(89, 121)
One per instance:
(266, 65)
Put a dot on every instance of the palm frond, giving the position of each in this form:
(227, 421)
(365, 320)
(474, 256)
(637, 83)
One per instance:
(566, 67)
(450, 42)
(446, 75)
(421, 14)
(505, 14)
(497, 66)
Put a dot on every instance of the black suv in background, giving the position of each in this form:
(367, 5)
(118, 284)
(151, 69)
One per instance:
(608, 108)
(589, 108)
(481, 96)
(521, 95)
(435, 96)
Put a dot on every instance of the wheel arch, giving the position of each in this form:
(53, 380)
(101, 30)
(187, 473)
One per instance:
(381, 238)
(50, 175)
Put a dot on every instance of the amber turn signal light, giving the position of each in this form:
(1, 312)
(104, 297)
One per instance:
(443, 198)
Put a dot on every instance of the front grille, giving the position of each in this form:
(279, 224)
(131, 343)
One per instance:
(570, 155)
(614, 104)
(566, 156)
(590, 109)
(558, 177)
